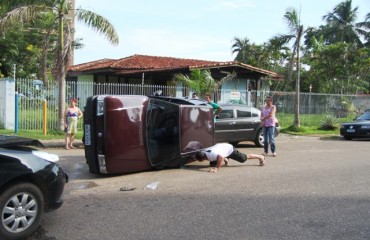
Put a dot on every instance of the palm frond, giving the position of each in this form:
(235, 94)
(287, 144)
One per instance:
(98, 23)
(22, 14)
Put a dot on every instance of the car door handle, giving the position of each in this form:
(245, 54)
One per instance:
(232, 123)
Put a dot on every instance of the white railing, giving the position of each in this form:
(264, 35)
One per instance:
(32, 95)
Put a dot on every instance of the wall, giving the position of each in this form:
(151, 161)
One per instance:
(7, 104)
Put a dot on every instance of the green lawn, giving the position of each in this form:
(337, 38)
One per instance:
(310, 125)
(38, 134)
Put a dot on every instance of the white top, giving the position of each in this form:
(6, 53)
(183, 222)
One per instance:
(222, 149)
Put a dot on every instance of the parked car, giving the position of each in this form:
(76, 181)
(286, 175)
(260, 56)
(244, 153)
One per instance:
(129, 133)
(359, 128)
(31, 183)
(239, 123)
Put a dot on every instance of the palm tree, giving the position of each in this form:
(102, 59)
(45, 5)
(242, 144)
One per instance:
(61, 10)
(296, 32)
(341, 24)
(201, 81)
(365, 29)
(241, 48)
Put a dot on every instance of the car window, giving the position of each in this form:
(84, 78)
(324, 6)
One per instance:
(255, 112)
(242, 113)
(226, 113)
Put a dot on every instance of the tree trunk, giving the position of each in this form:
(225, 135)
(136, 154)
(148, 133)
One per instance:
(297, 122)
(62, 97)
(61, 76)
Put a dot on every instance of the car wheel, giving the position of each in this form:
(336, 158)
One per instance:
(347, 138)
(22, 207)
(259, 139)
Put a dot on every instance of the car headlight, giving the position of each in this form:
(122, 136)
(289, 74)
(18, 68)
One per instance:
(100, 108)
(365, 127)
(46, 156)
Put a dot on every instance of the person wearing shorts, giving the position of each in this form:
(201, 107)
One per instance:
(219, 153)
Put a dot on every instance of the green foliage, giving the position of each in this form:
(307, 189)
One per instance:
(329, 123)
(201, 81)
(310, 124)
(340, 68)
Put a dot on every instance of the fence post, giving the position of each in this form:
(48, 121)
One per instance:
(16, 120)
(45, 117)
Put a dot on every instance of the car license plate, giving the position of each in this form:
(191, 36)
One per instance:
(87, 134)
(350, 130)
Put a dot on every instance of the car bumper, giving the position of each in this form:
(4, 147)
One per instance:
(359, 133)
(56, 188)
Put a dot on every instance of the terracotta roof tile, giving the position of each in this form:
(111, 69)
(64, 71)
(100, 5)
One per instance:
(139, 62)
(147, 63)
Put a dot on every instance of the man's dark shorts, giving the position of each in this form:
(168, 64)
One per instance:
(235, 155)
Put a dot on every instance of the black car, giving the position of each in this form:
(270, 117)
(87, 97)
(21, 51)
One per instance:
(237, 123)
(359, 128)
(31, 183)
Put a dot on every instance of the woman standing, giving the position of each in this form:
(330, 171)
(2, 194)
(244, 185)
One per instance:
(72, 114)
(268, 121)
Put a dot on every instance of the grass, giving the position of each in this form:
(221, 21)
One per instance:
(38, 134)
(310, 126)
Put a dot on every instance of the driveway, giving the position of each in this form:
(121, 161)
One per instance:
(314, 189)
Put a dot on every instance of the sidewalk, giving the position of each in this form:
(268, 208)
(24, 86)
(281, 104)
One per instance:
(60, 143)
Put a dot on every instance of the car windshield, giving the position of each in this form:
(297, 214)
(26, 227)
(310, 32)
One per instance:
(162, 131)
(364, 116)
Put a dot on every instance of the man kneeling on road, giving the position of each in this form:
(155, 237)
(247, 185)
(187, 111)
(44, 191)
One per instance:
(217, 154)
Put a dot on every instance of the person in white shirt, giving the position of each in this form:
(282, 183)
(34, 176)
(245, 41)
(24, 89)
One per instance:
(219, 153)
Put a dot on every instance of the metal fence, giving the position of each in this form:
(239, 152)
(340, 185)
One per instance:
(33, 93)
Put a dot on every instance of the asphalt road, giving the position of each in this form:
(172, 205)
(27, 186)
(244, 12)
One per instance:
(314, 189)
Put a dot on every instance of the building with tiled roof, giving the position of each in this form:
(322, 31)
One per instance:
(155, 70)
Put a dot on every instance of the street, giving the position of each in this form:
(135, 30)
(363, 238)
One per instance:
(314, 189)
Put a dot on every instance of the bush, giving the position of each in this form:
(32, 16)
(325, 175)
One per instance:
(329, 123)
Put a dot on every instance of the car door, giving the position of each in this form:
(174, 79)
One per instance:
(246, 124)
(225, 125)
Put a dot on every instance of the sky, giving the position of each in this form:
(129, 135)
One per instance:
(193, 29)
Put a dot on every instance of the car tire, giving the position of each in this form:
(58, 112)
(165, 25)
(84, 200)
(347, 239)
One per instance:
(25, 203)
(259, 138)
(347, 138)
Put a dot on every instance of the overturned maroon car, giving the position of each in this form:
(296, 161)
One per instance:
(130, 133)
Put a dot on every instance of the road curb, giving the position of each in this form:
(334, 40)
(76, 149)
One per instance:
(60, 143)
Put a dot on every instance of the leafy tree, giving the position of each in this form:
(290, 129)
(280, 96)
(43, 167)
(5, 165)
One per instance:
(265, 55)
(341, 25)
(61, 11)
(340, 68)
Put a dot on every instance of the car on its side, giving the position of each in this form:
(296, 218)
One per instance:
(359, 128)
(130, 133)
(31, 183)
(237, 123)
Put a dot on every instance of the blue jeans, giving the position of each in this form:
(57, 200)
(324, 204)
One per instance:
(269, 138)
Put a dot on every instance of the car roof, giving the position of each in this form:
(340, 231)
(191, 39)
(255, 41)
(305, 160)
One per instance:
(13, 141)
